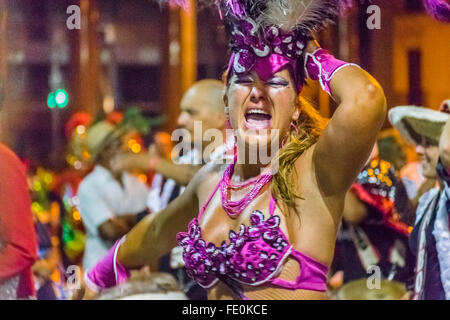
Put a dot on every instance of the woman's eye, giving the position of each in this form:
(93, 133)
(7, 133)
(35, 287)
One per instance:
(281, 83)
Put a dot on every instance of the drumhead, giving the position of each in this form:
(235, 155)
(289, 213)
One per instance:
(359, 290)
(156, 286)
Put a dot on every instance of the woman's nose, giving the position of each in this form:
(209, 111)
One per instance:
(258, 92)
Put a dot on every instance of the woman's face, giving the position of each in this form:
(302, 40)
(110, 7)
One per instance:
(429, 153)
(261, 111)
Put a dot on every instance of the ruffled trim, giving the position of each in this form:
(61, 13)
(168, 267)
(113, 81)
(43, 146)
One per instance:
(441, 234)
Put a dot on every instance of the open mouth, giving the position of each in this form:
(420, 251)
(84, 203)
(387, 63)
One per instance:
(257, 119)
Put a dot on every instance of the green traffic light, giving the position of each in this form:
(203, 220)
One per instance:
(61, 98)
(51, 101)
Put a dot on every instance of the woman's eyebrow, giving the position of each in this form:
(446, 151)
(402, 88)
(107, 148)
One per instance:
(278, 78)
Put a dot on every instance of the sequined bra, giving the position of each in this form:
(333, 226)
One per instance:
(253, 256)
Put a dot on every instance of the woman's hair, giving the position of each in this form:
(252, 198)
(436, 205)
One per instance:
(310, 125)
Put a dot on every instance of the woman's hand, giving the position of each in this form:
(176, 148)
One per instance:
(312, 46)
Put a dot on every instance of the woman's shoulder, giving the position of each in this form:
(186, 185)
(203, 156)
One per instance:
(209, 174)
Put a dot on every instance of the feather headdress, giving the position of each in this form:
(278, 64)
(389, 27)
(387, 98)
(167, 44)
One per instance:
(440, 9)
(300, 14)
(266, 35)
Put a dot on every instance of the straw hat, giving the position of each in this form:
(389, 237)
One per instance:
(98, 136)
(416, 122)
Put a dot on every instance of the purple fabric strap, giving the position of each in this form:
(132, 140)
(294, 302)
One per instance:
(321, 66)
(200, 214)
(313, 275)
(108, 272)
(272, 204)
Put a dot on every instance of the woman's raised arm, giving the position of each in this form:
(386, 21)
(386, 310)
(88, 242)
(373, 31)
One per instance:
(346, 143)
(155, 235)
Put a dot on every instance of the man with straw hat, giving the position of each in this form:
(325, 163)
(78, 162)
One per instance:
(429, 130)
(109, 200)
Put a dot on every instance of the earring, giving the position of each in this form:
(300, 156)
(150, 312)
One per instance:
(227, 112)
(294, 127)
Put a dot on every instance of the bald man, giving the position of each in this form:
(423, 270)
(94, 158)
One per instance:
(201, 103)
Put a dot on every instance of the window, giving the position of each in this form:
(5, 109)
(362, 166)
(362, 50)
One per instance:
(415, 77)
(37, 77)
(414, 6)
(138, 83)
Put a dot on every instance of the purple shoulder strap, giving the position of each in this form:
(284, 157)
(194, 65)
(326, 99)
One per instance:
(272, 204)
(202, 210)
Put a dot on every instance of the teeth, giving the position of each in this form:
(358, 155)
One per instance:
(257, 111)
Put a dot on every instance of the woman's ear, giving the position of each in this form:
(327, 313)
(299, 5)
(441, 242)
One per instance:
(296, 114)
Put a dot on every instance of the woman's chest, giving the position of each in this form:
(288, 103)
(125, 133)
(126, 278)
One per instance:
(218, 225)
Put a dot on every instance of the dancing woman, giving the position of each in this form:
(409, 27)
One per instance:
(255, 232)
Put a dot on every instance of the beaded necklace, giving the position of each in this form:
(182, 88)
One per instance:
(235, 208)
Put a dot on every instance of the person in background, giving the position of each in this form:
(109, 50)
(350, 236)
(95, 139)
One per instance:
(18, 244)
(109, 200)
(202, 103)
(373, 207)
(202, 106)
(429, 130)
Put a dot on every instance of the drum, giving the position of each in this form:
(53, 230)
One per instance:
(155, 286)
(359, 290)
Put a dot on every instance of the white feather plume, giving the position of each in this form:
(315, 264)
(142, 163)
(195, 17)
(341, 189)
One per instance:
(299, 14)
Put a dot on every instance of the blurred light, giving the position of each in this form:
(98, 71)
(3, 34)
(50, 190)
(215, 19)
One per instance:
(44, 217)
(77, 165)
(61, 98)
(76, 215)
(131, 143)
(108, 104)
(55, 212)
(51, 100)
(142, 178)
(36, 207)
(55, 240)
(37, 186)
(55, 277)
(136, 148)
(80, 129)
(48, 178)
(374, 163)
(86, 154)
